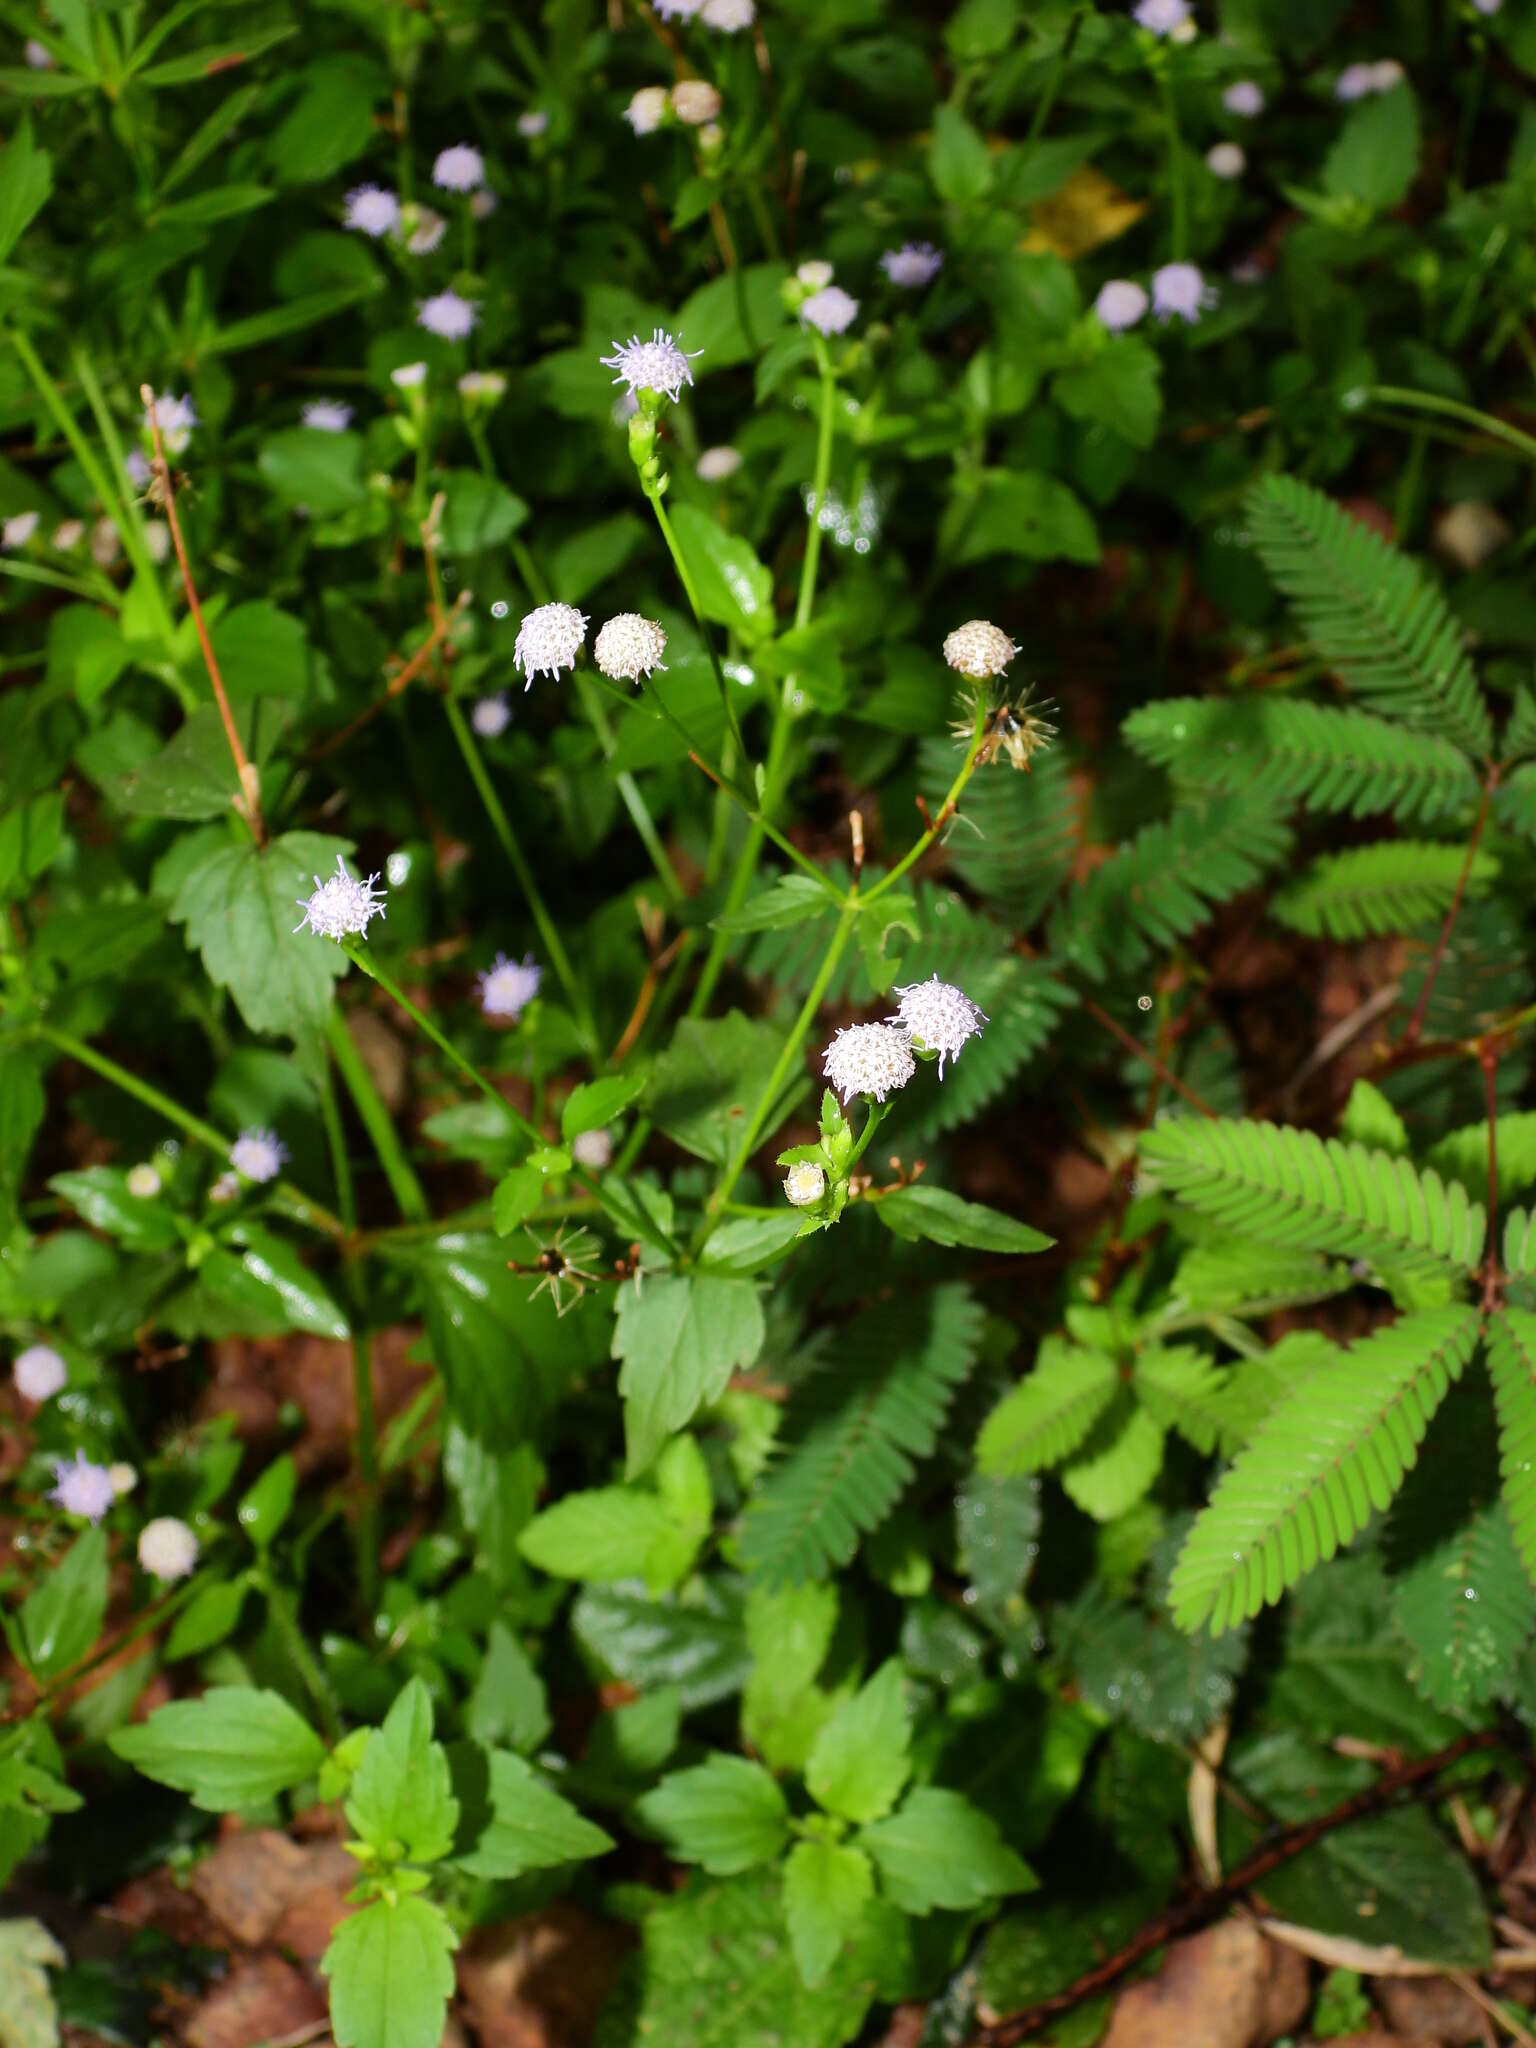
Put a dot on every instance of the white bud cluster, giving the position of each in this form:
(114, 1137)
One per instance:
(804, 1184)
(629, 647)
(979, 649)
(167, 1548)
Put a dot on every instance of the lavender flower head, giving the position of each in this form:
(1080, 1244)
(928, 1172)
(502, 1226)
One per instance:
(82, 1488)
(593, 1150)
(329, 415)
(1120, 304)
(341, 905)
(1359, 81)
(459, 169)
(175, 417)
(830, 311)
(1161, 17)
(491, 716)
(38, 1373)
(730, 17)
(549, 640)
(447, 315)
(913, 265)
(39, 57)
(136, 466)
(1245, 97)
(372, 211)
(167, 1548)
(1180, 292)
(938, 1017)
(507, 987)
(659, 364)
(869, 1059)
(18, 529)
(407, 376)
(258, 1154)
(678, 10)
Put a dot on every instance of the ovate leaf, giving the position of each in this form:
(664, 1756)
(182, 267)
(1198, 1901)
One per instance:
(234, 1747)
(726, 1814)
(827, 1886)
(391, 1972)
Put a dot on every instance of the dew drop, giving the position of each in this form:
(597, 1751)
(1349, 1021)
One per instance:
(499, 608)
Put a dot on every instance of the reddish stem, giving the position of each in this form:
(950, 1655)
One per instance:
(1416, 1021)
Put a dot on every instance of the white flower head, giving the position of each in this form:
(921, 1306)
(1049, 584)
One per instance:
(491, 716)
(167, 1548)
(1385, 73)
(507, 987)
(660, 364)
(136, 468)
(329, 415)
(548, 640)
(372, 211)
(175, 417)
(533, 123)
(695, 101)
(459, 169)
(938, 1017)
(1226, 160)
(805, 1184)
(979, 649)
(913, 265)
(730, 17)
(593, 1150)
(157, 541)
(106, 543)
(1359, 81)
(142, 1182)
(647, 110)
(341, 905)
(678, 10)
(38, 1373)
(830, 311)
(484, 387)
(18, 529)
(67, 535)
(1120, 304)
(447, 315)
(82, 1488)
(1484, 7)
(716, 464)
(258, 1154)
(1245, 97)
(39, 57)
(815, 274)
(869, 1059)
(1161, 17)
(629, 646)
(426, 229)
(483, 204)
(1180, 292)
(407, 376)
(124, 1477)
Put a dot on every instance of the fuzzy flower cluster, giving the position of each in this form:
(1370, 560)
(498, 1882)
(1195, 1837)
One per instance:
(459, 169)
(18, 529)
(932, 1018)
(1161, 17)
(258, 1154)
(1226, 160)
(1179, 290)
(869, 1059)
(507, 987)
(660, 364)
(81, 1488)
(830, 310)
(38, 1373)
(629, 647)
(1245, 97)
(1360, 81)
(938, 1018)
(341, 906)
(549, 640)
(979, 649)
(695, 102)
(327, 415)
(716, 464)
(728, 17)
(491, 716)
(448, 316)
(167, 1548)
(372, 211)
(482, 387)
(175, 417)
(647, 110)
(913, 265)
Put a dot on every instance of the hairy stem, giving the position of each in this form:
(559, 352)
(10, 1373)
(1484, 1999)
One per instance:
(652, 491)
(946, 809)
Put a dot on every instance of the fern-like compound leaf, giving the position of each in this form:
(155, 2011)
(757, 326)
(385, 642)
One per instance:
(1238, 1277)
(1293, 1188)
(1331, 1454)
(1372, 614)
(1046, 1416)
(1512, 1368)
(1465, 1609)
(1519, 740)
(1163, 884)
(1463, 1154)
(1017, 835)
(1514, 802)
(1183, 1389)
(1326, 758)
(872, 1407)
(1387, 888)
(1118, 1462)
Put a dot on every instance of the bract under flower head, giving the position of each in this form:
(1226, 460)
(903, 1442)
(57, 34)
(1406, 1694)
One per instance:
(372, 211)
(695, 101)
(1179, 291)
(830, 311)
(548, 640)
(38, 1373)
(660, 364)
(447, 315)
(647, 110)
(1161, 17)
(979, 649)
(459, 169)
(805, 1184)
(913, 265)
(1245, 97)
(1120, 304)
(507, 987)
(629, 646)
(341, 905)
(730, 17)
(1226, 160)
(491, 716)
(329, 415)
(716, 464)
(939, 1017)
(258, 1154)
(869, 1059)
(167, 1548)
(82, 1488)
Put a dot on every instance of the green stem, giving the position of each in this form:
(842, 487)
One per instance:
(653, 493)
(1179, 226)
(286, 1197)
(819, 483)
(789, 1052)
(501, 825)
(878, 1112)
(945, 811)
(1450, 408)
(280, 1607)
(407, 1190)
(362, 1351)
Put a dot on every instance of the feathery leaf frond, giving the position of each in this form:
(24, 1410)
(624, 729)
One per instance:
(1017, 835)
(1390, 887)
(1512, 1368)
(1514, 801)
(1465, 1609)
(1240, 1277)
(1046, 1416)
(1371, 612)
(1183, 1389)
(1463, 1154)
(1329, 1455)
